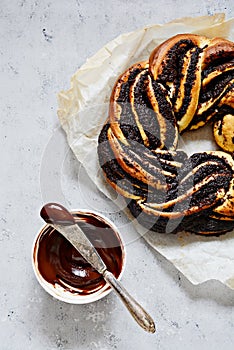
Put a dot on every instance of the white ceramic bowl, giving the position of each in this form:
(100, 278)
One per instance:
(65, 294)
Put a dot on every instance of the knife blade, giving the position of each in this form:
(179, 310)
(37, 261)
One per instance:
(80, 241)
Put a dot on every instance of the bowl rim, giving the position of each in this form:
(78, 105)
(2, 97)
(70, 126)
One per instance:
(60, 293)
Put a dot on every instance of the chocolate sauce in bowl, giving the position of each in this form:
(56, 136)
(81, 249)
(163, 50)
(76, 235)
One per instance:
(60, 263)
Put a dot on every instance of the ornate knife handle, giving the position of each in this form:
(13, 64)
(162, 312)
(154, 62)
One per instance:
(135, 309)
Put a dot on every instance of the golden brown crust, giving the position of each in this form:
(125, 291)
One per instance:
(224, 133)
(218, 47)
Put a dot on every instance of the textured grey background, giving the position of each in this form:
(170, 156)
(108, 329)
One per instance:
(42, 43)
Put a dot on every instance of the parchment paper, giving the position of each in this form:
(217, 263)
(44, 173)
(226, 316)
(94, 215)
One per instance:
(84, 108)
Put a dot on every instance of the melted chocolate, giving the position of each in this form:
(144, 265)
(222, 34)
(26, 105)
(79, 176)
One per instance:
(54, 213)
(60, 263)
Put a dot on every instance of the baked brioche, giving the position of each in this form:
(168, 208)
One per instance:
(187, 82)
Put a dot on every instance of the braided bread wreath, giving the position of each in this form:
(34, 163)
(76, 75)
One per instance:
(187, 81)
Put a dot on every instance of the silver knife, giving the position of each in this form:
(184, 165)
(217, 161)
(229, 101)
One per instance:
(63, 221)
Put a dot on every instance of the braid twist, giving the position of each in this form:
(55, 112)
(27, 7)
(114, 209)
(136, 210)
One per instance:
(187, 81)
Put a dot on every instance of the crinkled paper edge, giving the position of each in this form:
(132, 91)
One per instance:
(86, 104)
